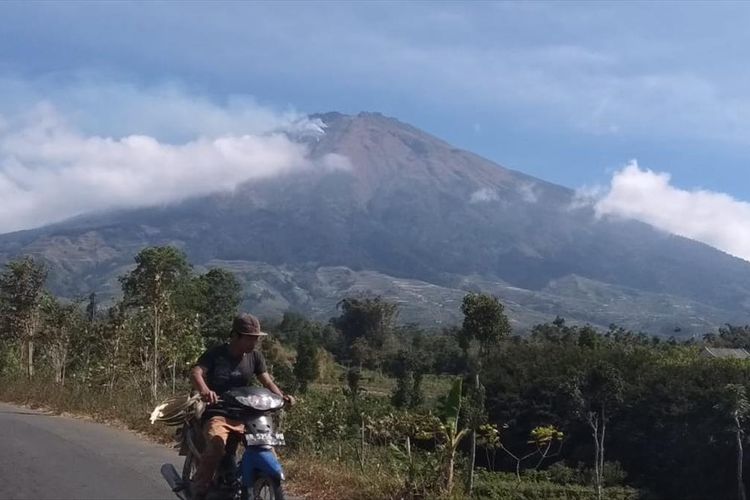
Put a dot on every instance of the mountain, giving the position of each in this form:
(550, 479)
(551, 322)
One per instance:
(390, 209)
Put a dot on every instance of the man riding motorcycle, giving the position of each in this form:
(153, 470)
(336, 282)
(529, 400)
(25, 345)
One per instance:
(218, 370)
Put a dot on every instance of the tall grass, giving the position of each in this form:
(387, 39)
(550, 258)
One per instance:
(319, 463)
(126, 405)
(330, 472)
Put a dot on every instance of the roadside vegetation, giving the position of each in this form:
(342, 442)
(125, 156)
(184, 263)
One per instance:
(389, 411)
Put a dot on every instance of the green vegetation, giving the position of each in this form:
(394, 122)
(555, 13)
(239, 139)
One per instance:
(387, 411)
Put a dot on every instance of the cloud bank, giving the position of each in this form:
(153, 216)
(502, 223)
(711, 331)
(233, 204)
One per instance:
(604, 69)
(716, 219)
(52, 169)
(167, 111)
(483, 195)
(527, 192)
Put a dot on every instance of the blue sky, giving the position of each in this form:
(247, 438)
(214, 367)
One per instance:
(568, 92)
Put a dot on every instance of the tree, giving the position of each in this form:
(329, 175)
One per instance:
(403, 371)
(475, 415)
(292, 327)
(221, 296)
(21, 292)
(113, 342)
(91, 307)
(158, 273)
(60, 323)
(556, 332)
(734, 403)
(353, 388)
(368, 319)
(181, 342)
(730, 336)
(597, 394)
(408, 369)
(484, 320)
(306, 365)
(588, 337)
(542, 438)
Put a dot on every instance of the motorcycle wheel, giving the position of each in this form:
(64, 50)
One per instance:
(266, 488)
(188, 470)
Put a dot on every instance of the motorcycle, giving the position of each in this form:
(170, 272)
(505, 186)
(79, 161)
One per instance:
(250, 469)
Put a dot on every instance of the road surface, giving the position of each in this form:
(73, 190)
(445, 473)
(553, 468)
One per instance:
(58, 458)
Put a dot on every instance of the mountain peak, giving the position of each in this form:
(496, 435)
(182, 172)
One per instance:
(434, 219)
(386, 153)
(335, 119)
(327, 117)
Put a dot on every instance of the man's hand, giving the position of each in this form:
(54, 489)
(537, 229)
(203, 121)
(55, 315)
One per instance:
(290, 401)
(199, 384)
(209, 396)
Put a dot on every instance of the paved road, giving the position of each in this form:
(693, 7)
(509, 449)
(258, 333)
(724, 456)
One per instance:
(58, 458)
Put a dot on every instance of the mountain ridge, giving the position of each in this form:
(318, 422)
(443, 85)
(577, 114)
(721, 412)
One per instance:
(393, 200)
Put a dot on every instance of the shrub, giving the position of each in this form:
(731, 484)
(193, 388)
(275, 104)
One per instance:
(492, 485)
(613, 474)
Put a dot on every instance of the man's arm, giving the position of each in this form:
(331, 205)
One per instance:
(265, 379)
(199, 384)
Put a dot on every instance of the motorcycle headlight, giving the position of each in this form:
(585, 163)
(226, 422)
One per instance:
(261, 402)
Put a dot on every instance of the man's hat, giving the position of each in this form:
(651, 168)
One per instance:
(246, 324)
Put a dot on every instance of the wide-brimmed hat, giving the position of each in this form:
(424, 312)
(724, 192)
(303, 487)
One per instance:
(247, 324)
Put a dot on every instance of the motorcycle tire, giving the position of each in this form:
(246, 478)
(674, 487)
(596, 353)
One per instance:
(188, 470)
(266, 488)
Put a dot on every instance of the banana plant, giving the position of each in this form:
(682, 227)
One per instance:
(450, 430)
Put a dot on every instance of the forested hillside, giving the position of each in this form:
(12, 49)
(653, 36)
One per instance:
(388, 411)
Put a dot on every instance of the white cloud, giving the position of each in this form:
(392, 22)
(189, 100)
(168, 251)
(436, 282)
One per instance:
(167, 111)
(335, 161)
(51, 170)
(527, 192)
(587, 196)
(483, 195)
(713, 218)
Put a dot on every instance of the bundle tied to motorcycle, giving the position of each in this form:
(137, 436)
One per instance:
(228, 429)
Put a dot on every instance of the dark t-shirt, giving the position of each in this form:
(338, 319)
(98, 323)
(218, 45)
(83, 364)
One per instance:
(223, 372)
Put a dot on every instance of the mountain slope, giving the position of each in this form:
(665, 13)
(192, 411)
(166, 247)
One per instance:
(400, 204)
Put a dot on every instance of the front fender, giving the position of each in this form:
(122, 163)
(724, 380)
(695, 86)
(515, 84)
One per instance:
(259, 460)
